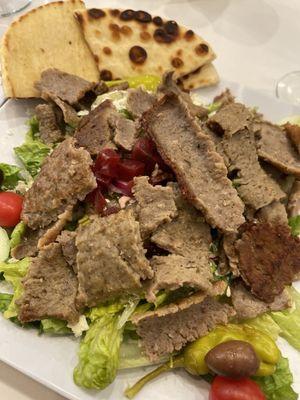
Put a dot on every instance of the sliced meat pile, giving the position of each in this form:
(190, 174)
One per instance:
(256, 188)
(268, 259)
(65, 177)
(139, 101)
(274, 146)
(49, 128)
(104, 125)
(199, 169)
(67, 87)
(50, 288)
(111, 259)
(155, 205)
(230, 118)
(171, 327)
(248, 306)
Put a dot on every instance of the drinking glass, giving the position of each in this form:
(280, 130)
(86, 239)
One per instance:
(288, 88)
(9, 7)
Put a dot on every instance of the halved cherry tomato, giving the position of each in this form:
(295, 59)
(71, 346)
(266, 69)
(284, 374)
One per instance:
(224, 388)
(10, 209)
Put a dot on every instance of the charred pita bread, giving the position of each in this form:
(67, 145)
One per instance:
(206, 75)
(45, 37)
(127, 43)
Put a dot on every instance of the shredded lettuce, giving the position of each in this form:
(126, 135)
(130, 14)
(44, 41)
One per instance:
(54, 327)
(289, 321)
(99, 350)
(279, 385)
(17, 234)
(11, 176)
(294, 223)
(13, 273)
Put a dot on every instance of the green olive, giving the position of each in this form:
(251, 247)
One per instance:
(234, 358)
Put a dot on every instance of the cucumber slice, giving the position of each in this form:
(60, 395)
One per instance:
(4, 245)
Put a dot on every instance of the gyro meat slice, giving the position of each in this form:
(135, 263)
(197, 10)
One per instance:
(155, 205)
(199, 169)
(248, 306)
(230, 118)
(256, 188)
(65, 177)
(50, 288)
(111, 259)
(69, 88)
(171, 327)
(293, 132)
(274, 146)
(139, 101)
(49, 128)
(268, 259)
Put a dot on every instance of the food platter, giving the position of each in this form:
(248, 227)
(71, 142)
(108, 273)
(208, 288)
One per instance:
(50, 360)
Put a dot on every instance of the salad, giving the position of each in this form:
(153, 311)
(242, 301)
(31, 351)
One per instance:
(157, 230)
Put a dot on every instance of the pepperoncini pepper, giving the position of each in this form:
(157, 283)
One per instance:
(149, 82)
(193, 356)
(264, 346)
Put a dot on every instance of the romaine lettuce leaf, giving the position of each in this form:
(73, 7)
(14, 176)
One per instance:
(33, 124)
(278, 386)
(32, 153)
(110, 308)
(17, 234)
(289, 321)
(99, 353)
(294, 223)
(266, 324)
(54, 327)
(13, 273)
(11, 176)
(5, 300)
(99, 350)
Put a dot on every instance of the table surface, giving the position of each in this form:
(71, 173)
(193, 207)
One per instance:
(257, 42)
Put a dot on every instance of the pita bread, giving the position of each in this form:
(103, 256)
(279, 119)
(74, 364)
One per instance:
(206, 75)
(129, 43)
(45, 37)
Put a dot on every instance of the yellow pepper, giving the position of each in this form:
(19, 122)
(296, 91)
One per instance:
(149, 82)
(264, 346)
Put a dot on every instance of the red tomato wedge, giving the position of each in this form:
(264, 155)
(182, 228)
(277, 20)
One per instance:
(224, 388)
(10, 209)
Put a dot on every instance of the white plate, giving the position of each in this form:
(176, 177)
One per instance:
(50, 360)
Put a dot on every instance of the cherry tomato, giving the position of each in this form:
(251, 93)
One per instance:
(10, 209)
(224, 388)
